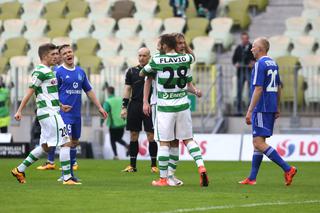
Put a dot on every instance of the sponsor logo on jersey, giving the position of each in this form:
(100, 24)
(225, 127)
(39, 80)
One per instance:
(75, 85)
(54, 81)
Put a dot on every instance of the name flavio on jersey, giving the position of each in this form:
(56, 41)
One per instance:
(172, 60)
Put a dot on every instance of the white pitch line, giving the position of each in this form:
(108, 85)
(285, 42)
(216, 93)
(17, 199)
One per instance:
(240, 206)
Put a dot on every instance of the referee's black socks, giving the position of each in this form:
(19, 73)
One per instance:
(133, 150)
(153, 150)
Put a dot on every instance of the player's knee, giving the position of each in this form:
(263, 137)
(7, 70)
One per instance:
(134, 136)
(188, 141)
(174, 143)
(258, 144)
(150, 136)
(45, 148)
(74, 142)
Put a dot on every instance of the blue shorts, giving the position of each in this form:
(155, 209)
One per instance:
(73, 126)
(262, 124)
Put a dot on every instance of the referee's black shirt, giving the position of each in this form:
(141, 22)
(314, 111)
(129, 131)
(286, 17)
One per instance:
(136, 82)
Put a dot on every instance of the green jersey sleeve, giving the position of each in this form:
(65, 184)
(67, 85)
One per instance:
(36, 79)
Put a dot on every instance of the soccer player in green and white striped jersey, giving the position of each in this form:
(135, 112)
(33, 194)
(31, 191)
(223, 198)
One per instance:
(53, 129)
(192, 146)
(173, 119)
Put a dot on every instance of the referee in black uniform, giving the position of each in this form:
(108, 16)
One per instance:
(132, 110)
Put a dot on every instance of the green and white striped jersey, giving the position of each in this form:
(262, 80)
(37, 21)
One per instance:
(172, 75)
(44, 83)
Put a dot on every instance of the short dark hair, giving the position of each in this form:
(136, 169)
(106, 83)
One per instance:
(111, 90)
(63, 46)
(169, 40)
(45, 48)
(244, 33)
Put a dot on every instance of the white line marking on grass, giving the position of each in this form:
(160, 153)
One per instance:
(240, 206)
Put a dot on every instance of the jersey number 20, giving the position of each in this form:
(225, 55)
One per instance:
(272, 86)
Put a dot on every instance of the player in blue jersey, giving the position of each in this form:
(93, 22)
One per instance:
(71, 81)
(264, 108)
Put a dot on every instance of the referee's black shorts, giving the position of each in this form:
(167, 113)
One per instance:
(136, 117)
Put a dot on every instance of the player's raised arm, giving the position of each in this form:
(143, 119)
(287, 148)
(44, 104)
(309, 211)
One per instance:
(24, 102)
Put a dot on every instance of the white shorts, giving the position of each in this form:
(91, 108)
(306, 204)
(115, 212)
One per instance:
(173, 125)
(53, 131)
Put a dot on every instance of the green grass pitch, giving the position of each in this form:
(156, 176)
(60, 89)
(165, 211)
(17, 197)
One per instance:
(106, 189)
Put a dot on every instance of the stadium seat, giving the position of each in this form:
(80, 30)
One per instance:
(221, 31)
(130, 46)
(127, 28)
(151, 44)
(108, 47)
(55, 10)
(10, 10)
(58, 41)
(15, 47)
(311, 9)
(310, 70)
(196, 27)
(76, 9)
(287, 65)
(34, 45)
(279, 46)
(203, 49)
(99, 9)
(80, 28)
(3, 64)
(12, 28)
(86, 46)
(90, 63)
(113, 62)
(35, 28)
(303, 45)
(174, 25)
(32, 10)
(296, 26)
(315, 32)
(103, 27)
(132, 61)
(239, 11)
(259, 4)
(145, 9)
(122, 9)
(150, 28)
(20, 64)
(58, 27)
(48, 1)
(165, 10)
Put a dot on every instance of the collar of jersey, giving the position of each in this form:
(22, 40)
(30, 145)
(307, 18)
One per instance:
(73, 69)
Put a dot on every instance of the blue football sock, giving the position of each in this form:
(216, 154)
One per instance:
(51, 152)
(255, 164)
(275, 157)
(73, 154)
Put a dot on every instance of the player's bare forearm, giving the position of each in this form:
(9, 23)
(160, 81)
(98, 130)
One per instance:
(146, 89)
(127, 91)
(24, 102)
(255, 97)
(254, 100)
(94, 99)
(192, 89)
(26, 99)
(142, 74)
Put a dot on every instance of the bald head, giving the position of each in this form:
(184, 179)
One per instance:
(143, 56)
(260, 47)
(263, 43)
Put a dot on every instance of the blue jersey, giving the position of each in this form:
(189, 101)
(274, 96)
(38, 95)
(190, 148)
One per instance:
(71, 82)
(266, 74)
